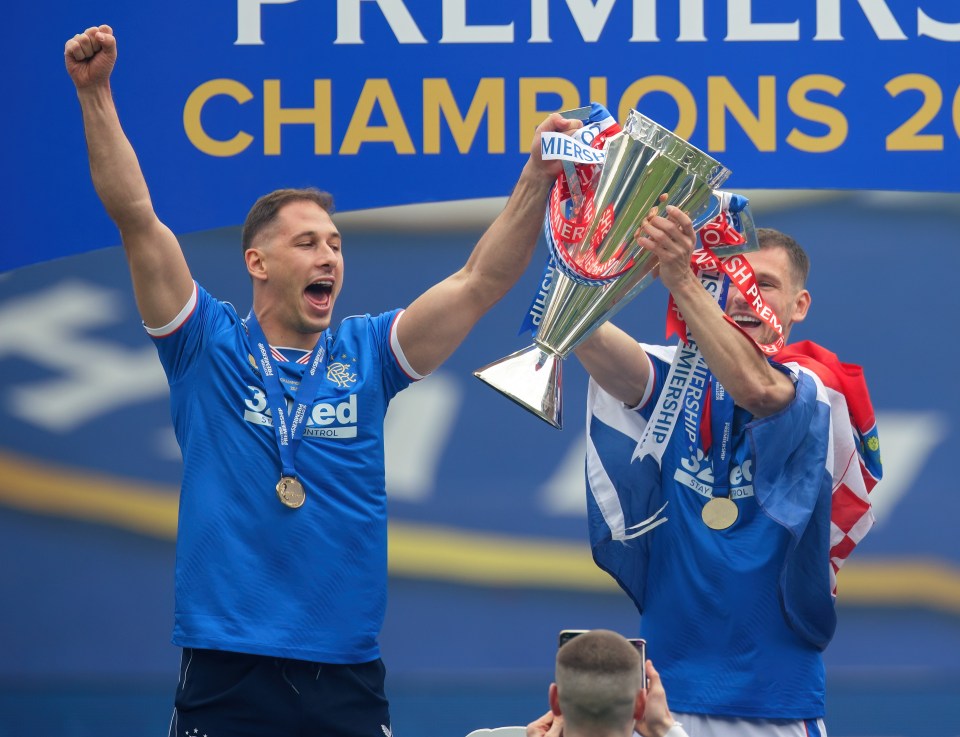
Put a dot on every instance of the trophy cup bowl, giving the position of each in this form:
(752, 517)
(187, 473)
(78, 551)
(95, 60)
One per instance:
(600, 272)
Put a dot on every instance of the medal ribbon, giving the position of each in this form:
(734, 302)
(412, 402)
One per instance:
(287, 428)
(721, 425)
(721, 232)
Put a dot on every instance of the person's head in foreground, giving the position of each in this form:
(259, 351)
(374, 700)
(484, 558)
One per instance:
(598, 685)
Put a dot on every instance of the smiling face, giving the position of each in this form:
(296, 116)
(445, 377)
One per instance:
(297, 269)
(781, 288)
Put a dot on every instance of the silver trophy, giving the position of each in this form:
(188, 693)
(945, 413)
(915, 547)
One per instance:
(606, 265)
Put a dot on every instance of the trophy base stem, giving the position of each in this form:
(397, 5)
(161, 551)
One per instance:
(532, 378)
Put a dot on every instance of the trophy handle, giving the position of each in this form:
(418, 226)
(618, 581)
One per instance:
(531, 377)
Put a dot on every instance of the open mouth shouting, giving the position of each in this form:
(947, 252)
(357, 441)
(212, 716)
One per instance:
(319, 294)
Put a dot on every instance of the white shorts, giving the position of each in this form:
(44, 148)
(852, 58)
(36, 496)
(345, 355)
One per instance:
(702, 725)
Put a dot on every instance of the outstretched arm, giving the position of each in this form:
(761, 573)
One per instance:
(161, 280)
(438, 321)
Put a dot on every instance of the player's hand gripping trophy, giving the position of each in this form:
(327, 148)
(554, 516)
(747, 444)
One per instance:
(612, 178)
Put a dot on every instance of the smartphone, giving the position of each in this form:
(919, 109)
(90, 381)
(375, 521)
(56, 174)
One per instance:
(638, 642)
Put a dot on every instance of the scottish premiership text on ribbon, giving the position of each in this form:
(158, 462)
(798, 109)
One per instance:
(690, 380)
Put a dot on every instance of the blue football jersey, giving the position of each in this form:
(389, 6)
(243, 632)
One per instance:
(253, 575)
(711, 601)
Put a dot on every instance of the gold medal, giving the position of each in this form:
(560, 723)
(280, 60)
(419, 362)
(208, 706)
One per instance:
(291, 492)
(719, 513)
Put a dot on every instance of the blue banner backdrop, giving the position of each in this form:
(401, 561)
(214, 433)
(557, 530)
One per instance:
(488, 551)
(387, 102)
(484, 497)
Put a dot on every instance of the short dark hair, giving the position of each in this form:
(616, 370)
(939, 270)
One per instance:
(799, 261)
(265, 209)
(598, 678)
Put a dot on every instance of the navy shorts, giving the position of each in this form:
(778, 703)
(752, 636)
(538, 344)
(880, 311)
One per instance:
(225, 694)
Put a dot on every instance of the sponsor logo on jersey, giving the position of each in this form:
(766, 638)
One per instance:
(741, 480)
(327, 419)
(695, 473)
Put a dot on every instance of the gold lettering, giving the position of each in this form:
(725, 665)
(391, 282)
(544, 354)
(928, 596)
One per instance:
(686, 105)
(530, 115)
(359, 131)
(908, 135)
(833, 119)
(318, 116)
(193, 109)
(760, 128)
(487, 101)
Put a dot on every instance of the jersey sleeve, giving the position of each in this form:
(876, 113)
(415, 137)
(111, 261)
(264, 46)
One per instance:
(659, 368)
(793, 487)
(183, 340)
(623, 498)
(789, 449)
(398, 374)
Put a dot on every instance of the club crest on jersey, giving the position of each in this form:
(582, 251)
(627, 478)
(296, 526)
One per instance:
(342, 372)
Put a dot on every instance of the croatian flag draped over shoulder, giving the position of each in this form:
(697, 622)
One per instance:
(827, 514)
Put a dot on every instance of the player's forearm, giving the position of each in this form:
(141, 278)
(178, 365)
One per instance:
(732, 357)
(505, 250)
(616, 362)
(161, 279)
(438, 321)
(114, 168)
